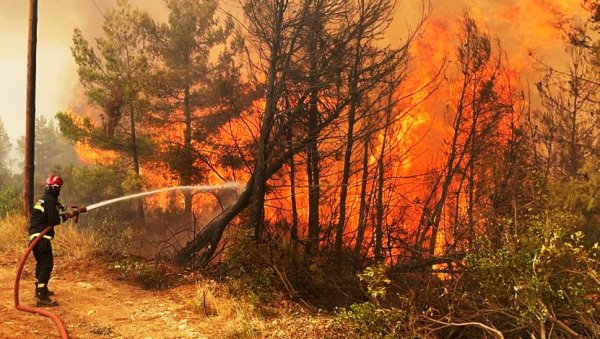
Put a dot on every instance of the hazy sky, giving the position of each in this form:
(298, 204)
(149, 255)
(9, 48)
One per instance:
(522, 25)
(56, 81)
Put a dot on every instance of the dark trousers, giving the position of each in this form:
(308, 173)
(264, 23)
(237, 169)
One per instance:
(45, 262)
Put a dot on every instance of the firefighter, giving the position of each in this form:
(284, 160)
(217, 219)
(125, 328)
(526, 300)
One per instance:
(46, 212)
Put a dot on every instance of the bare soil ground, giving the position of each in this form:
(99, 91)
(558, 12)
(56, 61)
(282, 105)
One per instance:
(95, 304)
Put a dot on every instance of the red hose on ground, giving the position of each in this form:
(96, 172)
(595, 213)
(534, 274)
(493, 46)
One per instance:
(59, 324)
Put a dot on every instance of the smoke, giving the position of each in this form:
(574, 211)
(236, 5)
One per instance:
(57, 81)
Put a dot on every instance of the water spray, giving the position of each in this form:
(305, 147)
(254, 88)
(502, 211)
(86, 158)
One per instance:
(200, 188)
(75, 212)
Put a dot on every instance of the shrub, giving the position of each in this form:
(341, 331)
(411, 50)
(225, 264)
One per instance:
(10, 200)
(255, 267)
(376, 318)
(539, 281)
(150, 275)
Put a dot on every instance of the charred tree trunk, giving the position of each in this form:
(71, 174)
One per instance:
(379, 209)
(312, 164)
(260, 176)
(136, 163)
(575, 159)
(258, 200)
(379, 205)
(471, 175)
(339, 234)
(354, 101)
(294, 230)
(186, 178)
(211, 235)
(360, 231)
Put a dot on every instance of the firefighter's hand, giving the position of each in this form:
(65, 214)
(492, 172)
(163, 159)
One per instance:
(66, 216)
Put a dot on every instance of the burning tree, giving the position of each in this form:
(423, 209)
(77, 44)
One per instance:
(188, 88)
(482, 100)
(306, 50)
(114, 77)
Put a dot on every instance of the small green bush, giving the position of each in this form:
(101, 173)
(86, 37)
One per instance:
(11, 200)
(541, 280)
(150, 275)
(375, 318)
(256, 272)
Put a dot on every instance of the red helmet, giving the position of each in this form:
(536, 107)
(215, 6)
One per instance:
(54, 181)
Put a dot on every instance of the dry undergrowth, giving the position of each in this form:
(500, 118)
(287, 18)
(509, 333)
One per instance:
(13, 233)
(227, 312)
(232, 317)
(75, 242)
(71, 241)
(238, 316)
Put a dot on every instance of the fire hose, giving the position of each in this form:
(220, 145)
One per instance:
(75, 211)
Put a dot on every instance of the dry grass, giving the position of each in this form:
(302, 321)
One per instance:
(13, 233)
(234, 316)
(74, 242)
(231, 317)
(71, 241)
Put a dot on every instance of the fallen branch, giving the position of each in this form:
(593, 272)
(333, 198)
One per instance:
(428, 262)
(565, 327)
(469, 323)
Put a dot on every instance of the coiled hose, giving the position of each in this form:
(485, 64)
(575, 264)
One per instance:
(18, 306)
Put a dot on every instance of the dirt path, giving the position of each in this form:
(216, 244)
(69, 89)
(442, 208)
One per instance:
(94, 306)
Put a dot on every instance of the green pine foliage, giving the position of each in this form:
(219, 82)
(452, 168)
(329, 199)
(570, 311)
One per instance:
(10, 191)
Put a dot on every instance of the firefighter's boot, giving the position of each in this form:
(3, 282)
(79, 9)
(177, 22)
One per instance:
(43, 299)
(48, 292)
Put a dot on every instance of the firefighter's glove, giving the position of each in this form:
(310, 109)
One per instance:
(66, 216)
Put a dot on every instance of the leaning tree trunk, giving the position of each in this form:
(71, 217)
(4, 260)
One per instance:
(211, 235)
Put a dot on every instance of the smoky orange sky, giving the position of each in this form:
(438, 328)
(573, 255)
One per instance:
(56, 81)
(521, 25)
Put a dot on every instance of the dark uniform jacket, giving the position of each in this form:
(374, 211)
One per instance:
(47, 212)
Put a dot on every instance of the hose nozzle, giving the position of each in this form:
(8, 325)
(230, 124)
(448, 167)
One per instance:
(76, 210)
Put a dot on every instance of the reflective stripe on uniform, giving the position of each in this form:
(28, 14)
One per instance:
(38, 206)
(35, 235)
(41, 285)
